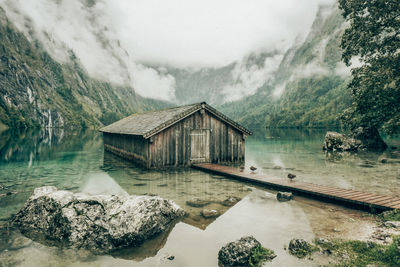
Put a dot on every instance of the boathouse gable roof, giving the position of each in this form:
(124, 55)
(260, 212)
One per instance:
(150, 123)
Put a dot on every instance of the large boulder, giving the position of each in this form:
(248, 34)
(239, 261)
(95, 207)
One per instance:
(99, 223)
(369, 138)
(242, 252)
(339, 142)
(360, 138)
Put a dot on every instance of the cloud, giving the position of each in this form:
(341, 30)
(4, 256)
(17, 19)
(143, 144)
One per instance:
(249, 77)
(114, 39)
(153, 83)
(278, 90)
(345, 71)
(88, 31)
(208, 32)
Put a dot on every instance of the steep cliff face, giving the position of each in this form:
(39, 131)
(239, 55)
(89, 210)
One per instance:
(35, 90)
(309, 87)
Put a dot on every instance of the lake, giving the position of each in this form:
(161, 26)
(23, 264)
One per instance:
(76, 161)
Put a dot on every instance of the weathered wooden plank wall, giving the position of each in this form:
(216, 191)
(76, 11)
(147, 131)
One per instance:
(132, 147)
(172, 147)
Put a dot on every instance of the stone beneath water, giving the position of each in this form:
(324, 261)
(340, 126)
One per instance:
(230, 201)
(208, 213)
(100, 223)
(284, 196)
(197, 203)
(300, 248)
(244, 252)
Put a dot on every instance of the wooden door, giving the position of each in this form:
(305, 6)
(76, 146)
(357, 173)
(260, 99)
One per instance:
(200, 146)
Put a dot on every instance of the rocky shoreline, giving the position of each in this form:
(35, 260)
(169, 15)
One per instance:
(47, 217)
(100, 223)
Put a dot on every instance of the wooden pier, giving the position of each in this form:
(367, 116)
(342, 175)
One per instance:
(346, 197)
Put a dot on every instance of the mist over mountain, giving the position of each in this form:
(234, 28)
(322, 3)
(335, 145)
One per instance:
(124, 42)
(308, 88)
(89, 30)
(100, 61)
(36, 90)
(228, 83)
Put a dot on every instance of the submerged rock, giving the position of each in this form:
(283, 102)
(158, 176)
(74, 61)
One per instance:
(100, 223)
(339, 142)
(240, 252)
(208, 213)
(230, 201)
(300, 248)
(197, 203)
(284, 196)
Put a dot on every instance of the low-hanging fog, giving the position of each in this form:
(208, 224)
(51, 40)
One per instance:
(118, 40)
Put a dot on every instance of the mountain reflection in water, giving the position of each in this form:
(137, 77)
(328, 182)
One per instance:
(76, 161)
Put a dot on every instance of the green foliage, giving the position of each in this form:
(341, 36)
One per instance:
(373, 35)
(109, 117)
(302, 252)
(33, 84)
(312, 100)
(392, 215)
(359, 253)
(260, 254)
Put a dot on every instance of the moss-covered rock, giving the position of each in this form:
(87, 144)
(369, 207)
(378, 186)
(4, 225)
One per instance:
(246, 251)
(301, 248)
(260, 254)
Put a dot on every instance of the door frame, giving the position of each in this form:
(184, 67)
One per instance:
(206, 148)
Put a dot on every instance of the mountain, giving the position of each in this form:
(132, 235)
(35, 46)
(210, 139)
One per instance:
(309, 87)
(36, 90)
(218, 85)
(304, 86)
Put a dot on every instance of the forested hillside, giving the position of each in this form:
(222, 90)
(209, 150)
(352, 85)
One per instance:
(309, 87)
(35, 90)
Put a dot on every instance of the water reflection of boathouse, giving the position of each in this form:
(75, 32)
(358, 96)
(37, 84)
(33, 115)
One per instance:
(177, 136)
(182, 185)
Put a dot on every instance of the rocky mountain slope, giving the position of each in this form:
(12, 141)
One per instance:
(309, 87)
(303, 87)
(36, 90)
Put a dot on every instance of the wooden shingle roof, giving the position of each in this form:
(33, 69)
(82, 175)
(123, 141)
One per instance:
(150, 123)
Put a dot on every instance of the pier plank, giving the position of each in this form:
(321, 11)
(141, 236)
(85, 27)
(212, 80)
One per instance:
(347, 197)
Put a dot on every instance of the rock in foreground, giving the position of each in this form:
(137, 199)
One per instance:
(300, 248)
(284, 196)
(246, 251)
(99, 223)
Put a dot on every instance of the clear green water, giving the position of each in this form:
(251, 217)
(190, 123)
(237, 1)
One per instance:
(76, 162)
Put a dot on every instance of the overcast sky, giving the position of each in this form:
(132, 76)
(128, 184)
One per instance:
(114, 38)
(209, 32)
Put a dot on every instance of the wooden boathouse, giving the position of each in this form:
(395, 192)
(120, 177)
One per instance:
(178, 136)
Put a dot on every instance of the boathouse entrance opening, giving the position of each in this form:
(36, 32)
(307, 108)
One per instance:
(199, 145)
